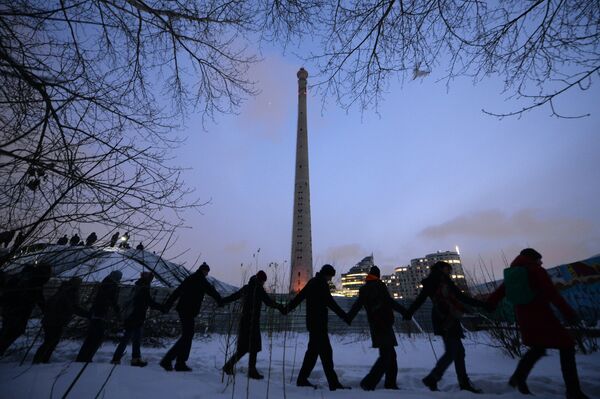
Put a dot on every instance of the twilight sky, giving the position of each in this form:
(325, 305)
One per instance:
(428, 172)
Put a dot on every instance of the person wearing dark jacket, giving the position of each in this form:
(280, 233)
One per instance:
(134, 321)
(113, 239)
(190, 295)
(91, 239)
(318, 299)
(22, 293)
(74, 240)
(249, 340)
(380, 307)
(64, 240)
(539, 327)
(106, 298)
(59, 310)
(447, 309)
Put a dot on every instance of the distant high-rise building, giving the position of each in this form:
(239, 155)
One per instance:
(405, 282)
(355, 278)
(301, 257)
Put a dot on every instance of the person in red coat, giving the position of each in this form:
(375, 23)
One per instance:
(540, 328)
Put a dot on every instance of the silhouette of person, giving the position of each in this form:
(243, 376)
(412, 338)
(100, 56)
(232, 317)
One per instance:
(91, 239)
(318, 299)
(64, 240)
(106, 298)
(114, 239)
(249, 340)
(18, 301)
(189, 296)
(74, 240)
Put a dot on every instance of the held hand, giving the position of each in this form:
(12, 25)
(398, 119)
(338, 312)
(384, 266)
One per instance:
(283, 309)
(347, 319)
(407, 316)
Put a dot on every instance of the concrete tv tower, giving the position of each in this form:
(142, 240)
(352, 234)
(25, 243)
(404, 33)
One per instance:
(301, 258)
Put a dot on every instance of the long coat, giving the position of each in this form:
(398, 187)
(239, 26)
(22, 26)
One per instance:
(537, 322)
(254, 295)
(447, 301)
(141, 302)
(191, 294)
(22, 292)
(106, 298)
(380, 306)
(61, 307)
(318, 299)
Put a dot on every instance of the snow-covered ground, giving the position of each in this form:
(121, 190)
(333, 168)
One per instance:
(488, 367)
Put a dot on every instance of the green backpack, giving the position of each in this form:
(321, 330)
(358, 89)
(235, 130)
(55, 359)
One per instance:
(516, 283)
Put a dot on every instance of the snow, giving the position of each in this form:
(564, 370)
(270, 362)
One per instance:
(489, 370)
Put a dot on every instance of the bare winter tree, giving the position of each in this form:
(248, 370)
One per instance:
(541, 49)
(88, 94)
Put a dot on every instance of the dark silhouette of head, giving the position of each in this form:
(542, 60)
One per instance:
(441, 267)
(375, 271)
(204, 268)
(327, 270)
(531, 253)
(116, 275)
(261, 276)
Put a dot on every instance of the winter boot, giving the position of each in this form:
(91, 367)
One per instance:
(166, 364)
(569, 371)
(182, 367)
(337, 386)
(305, 383)
(138, 362)
(430, 383)
(228, 368)
(577, 395)
(519, 384)
(467, 386)
(255, 375)
(366, 387)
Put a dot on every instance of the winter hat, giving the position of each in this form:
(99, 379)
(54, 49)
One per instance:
(261, 276)
(203, 267)
(531, 253)
(328, 270)
(116, 275)
(375, 271)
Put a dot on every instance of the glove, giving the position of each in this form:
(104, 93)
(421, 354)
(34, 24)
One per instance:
(165, 309)
(283, 309)
(347, 319)
(407, 316)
